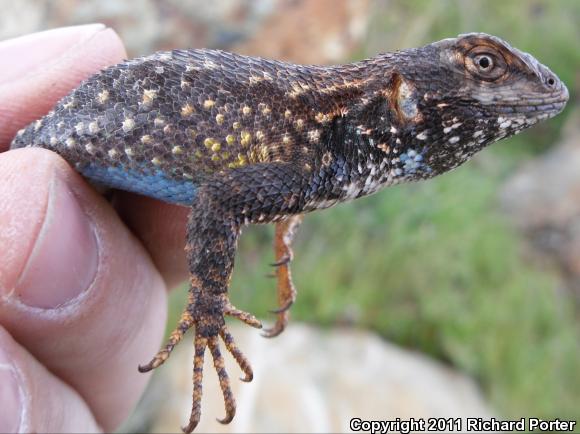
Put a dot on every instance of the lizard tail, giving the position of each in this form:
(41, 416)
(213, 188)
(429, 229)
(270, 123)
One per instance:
(26, 136)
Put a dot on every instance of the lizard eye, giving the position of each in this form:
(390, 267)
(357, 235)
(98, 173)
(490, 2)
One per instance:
(485, 65)
(484, 62)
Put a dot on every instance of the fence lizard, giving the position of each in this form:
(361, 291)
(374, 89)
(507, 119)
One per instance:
(245, 140)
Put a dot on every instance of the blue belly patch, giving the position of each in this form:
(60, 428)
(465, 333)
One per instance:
(154, 184)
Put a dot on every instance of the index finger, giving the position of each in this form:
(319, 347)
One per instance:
(37, 70)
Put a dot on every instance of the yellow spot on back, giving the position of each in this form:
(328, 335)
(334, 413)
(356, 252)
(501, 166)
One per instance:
(241, 161)
(70, 142)
(264, 153)
(167, 129)
(297, 89)
(260, 135)
(208, 142)
(208, 104)
(90, 148)
(219, 119)
(186, 110)
(156, 161)
(53, 141)
(215, 157)
(129, 152)
(112, 153)
(299, 124)
(264, 109)
(246, 138)
(146, 139)
(148, 96)
(236, 125)
(230, 139)
(286, 139)
(287, 114)
(177, 150)
(246, 110)
(216, 146)
(158, 122)
(322, 117)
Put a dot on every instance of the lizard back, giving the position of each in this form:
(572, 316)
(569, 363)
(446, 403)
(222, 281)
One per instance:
(158, 125)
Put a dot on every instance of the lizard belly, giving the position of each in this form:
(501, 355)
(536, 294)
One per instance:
(153, 184)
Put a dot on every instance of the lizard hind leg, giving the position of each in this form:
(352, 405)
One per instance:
(284, 236)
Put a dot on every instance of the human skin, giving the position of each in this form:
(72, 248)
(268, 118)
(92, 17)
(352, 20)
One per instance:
(83, 280)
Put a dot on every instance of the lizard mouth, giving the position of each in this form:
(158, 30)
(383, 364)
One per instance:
(537, 105)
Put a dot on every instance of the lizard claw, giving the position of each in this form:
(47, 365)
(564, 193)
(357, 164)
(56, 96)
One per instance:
(284, 308)
(282, 261)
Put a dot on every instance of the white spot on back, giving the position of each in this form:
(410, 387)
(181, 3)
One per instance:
(454, 139)
(421, 136)
(128, 124)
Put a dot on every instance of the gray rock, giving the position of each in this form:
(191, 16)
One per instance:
(543, 200)
(308, 380)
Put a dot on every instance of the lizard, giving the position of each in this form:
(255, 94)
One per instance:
(245, 140)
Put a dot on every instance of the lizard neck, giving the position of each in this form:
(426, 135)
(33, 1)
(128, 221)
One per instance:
(368, 146)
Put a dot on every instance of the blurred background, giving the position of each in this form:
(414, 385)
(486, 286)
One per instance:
(455, 297)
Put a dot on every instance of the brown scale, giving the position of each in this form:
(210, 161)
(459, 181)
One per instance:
(266, 141)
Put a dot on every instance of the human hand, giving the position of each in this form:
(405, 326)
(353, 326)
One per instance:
(82, 298)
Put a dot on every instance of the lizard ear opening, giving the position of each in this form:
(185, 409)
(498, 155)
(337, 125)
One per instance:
(403, 99)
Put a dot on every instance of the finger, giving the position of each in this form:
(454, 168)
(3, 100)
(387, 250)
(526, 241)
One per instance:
(76, 288)
(33, 399)
(38, 69)
(161, 229)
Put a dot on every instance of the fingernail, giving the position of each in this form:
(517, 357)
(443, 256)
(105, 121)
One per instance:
(64, 259)
(36, 50)
(10, 397)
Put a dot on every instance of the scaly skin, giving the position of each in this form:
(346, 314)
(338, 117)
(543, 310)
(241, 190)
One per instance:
(246, 140)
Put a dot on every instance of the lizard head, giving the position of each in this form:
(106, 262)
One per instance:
(467, 92)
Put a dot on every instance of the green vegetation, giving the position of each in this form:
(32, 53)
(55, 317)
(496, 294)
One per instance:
(436, 266)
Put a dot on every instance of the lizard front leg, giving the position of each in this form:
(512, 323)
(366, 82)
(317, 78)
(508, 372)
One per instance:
(284, 236)
(255, 194)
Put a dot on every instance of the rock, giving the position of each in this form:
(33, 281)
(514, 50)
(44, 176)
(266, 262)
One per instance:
(322, 31)
(309, 380)
(543, 200)
(310, 32)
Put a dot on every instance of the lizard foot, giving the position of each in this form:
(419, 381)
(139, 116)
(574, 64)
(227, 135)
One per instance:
(209, 327)
(207, 315)
(285, 232)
